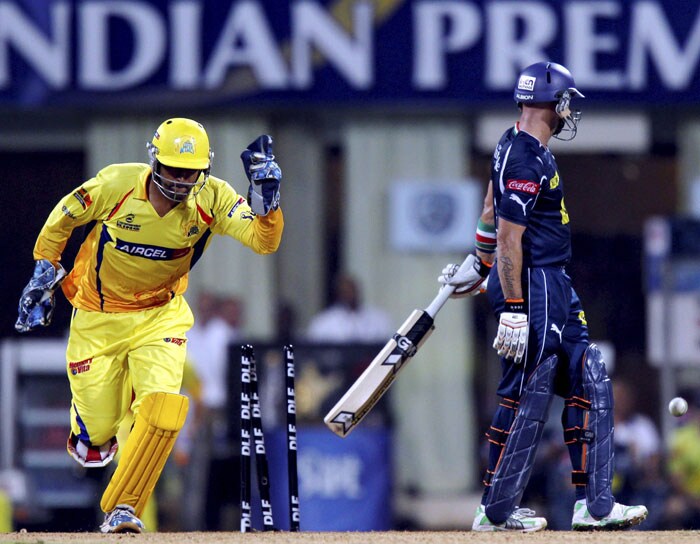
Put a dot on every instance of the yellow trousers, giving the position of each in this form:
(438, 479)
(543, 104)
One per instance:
(114, 360)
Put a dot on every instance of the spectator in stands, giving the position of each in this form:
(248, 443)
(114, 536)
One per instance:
(683, 505)
(215, 463)
(638, 456)
(285, 322)
(348, 319)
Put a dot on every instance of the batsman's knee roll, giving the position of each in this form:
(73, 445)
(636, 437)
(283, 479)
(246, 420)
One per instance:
(157, 425)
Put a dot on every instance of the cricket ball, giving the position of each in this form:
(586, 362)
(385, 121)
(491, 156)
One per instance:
(678, 406)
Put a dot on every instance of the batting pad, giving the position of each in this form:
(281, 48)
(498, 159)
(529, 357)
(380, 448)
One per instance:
(157, 425)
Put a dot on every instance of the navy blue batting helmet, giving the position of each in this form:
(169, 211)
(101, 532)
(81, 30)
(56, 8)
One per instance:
(544, 82)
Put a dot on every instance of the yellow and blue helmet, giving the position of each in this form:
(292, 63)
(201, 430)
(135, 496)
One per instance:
(180, 143)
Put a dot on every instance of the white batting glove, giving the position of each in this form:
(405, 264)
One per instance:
(511, 340)
(469, 279)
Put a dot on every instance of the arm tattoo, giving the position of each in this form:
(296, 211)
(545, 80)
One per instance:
(507, 275)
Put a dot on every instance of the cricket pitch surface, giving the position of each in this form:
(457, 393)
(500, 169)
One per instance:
(388, 537)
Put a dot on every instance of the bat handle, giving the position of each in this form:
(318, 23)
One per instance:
(439, 301)
(442, 296)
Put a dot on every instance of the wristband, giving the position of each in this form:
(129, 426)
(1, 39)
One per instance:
(485, 237)
(482, 267)
(515, 305)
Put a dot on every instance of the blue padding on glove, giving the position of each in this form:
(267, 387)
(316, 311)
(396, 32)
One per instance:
(264, 175)
(36, 305)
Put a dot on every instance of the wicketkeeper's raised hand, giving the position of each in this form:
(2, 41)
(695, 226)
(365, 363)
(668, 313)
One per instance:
(264, 175)
(36, 305)
(469, 279)
(511, 340)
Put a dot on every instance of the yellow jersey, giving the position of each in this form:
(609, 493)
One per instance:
(133, 258)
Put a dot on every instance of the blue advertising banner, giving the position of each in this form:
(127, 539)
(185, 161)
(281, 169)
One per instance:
(96, 53)
(344, 484)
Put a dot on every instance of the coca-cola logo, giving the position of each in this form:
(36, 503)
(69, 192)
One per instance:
(523, 186)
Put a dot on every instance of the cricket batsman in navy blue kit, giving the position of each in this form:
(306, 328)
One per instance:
(542, 334)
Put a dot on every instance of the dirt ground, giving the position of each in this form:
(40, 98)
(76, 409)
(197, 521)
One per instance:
(389, 537)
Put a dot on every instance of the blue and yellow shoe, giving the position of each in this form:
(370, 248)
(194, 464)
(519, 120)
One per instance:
(122, 520)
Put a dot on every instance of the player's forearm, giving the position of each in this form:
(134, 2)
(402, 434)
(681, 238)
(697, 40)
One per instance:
(510, 260)
(486, 230)
(509, 268)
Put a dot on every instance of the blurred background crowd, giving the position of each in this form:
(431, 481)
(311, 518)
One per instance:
(384, 116)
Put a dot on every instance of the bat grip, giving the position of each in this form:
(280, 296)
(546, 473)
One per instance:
(439, 300)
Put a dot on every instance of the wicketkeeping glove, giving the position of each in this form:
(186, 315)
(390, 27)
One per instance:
(264, 175)
(511, 340)
(469, 279)
(36, 305)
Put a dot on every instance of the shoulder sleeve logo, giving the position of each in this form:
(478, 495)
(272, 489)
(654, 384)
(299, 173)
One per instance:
(83, 197)
(523, 186)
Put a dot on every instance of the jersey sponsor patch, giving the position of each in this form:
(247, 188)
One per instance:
(67, 212)
(128, 223)
(176, 341)
(83, 197)
(523, 186)
(240, 201)
(155, 253)
(78, 367)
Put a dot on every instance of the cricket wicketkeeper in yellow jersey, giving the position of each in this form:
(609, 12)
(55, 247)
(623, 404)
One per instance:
(126, 349)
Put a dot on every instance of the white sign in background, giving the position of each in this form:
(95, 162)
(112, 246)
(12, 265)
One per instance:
(434, 216)
(673, 328)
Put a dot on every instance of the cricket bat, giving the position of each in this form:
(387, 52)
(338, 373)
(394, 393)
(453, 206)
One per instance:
(382, 371)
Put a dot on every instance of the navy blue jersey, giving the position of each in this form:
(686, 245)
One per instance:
(527, 191)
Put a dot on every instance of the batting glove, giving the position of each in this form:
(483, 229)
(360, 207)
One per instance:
(37, 303)
(264, 175)
(469, 279)
(513, 329)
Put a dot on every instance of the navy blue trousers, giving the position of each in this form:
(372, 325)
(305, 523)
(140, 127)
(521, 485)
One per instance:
(557, 327)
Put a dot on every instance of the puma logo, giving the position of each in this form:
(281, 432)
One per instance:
(517, 199)
(557, 330)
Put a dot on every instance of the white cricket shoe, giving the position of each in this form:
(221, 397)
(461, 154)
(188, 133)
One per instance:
(122, 520)
(522, 520)
(620, 517)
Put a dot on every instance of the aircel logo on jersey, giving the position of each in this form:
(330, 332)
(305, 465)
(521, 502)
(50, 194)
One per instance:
(523, 186)
(128, 223)
(154, 253)
(176, 341)
(526, 83)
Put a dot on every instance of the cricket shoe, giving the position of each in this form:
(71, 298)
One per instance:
(522, 520)
(620, 517)
(122, 520)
